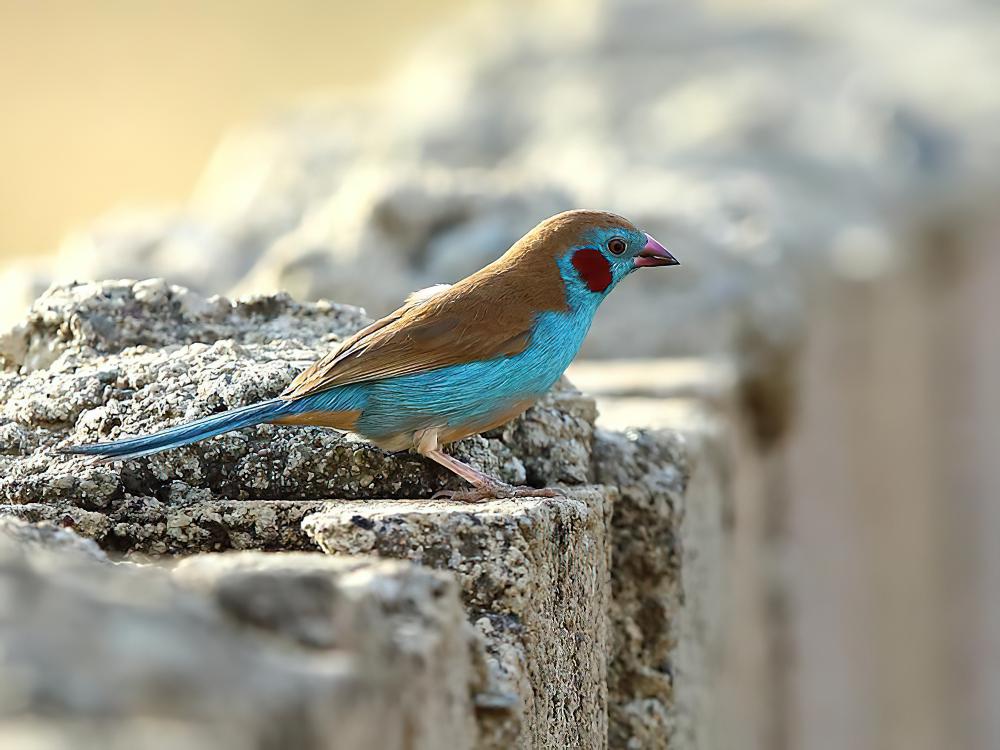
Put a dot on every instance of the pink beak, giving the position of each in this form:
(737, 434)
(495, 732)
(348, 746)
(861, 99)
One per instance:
(655, 254)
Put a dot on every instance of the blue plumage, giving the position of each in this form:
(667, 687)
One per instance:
(403, 404)
(187, 433)
(436, 403)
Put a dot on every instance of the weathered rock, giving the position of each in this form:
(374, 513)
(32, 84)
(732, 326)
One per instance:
(650, 471)
(553, 439)
(700, 642)
(321, 602)
(261, 651)
(97, 361)
(48, 536)
(100, 361)
(418, 226)
(534, 575)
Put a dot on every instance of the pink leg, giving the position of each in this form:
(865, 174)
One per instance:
(470, 474)
(484, 486)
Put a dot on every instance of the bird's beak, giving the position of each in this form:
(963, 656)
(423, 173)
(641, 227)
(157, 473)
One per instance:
(655, 254)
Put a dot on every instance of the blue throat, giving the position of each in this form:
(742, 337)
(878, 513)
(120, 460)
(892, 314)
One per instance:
(471, 392)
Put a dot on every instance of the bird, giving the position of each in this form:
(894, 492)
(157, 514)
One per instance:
(454, 360)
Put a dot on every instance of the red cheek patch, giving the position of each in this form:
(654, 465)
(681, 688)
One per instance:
(593, 268)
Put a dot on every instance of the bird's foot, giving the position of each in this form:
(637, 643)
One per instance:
(497, 491)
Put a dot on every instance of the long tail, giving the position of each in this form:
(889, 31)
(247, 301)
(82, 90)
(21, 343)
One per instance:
(184, 434)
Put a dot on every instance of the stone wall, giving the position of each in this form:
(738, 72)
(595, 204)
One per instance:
(579, 628)
(249, 650)
(774, 530)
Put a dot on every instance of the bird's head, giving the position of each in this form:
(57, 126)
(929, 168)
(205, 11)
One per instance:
(594, 250)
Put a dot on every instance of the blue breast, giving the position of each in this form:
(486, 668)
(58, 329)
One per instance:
(468, 393)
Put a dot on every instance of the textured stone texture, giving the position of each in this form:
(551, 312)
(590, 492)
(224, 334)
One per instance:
(571, 639)
(700, 644)
(100, 361)
(259, 650)
(534, 575)
(649, 470)
(321, 603)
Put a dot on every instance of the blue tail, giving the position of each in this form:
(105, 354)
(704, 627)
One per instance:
(183, 434)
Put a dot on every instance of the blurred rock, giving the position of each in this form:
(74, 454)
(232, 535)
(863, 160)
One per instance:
(668, 113)
(49, 536)
(541, 606)
(321, 603)
(771, 149)
(407, 228)
(261, 651)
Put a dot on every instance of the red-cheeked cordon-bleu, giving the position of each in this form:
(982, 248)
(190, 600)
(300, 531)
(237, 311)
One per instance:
(454, 360)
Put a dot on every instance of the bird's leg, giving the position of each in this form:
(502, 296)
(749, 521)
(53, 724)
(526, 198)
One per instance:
(484, 487)
(470, 474)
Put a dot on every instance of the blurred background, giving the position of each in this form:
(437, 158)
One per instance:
(117, 103)
(826, 172)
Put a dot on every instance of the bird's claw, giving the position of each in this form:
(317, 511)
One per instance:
(493, 492)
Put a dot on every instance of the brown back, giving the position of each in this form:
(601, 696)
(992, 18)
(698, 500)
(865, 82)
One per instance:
(486, 315)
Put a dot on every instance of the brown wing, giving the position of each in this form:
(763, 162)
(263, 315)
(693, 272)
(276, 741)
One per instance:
(484, 316)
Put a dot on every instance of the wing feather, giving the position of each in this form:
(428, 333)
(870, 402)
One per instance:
(464, 323)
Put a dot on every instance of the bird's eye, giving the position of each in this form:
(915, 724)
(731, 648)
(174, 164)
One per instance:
(617, 246)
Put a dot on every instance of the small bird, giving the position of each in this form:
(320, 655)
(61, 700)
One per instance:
(454, 360)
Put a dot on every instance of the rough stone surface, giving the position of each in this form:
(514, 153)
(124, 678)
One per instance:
(100, 361)
(534, 575)
(699, 653)
(265, 651)
(322, 603)
(650, 471)
(572, 641)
